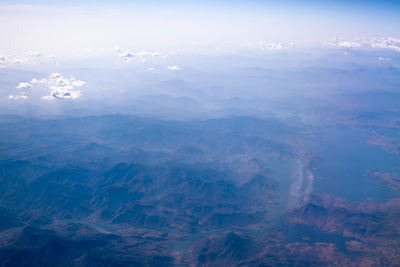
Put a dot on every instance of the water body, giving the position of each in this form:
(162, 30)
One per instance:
(345, 160)
(282, 171)
(295, 187)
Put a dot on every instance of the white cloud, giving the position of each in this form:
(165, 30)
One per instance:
(389, 43)
(146, 53)
(383, 59)
(24, 59)
(268, 46)
(174, 67)
(348, 44)
(383, 43)
(62, 93)
(150, 68)
(128, 56)
(41, 81)
(23, 86)
(60, 87)
(21, 96)
(339, 42)
(14, 59)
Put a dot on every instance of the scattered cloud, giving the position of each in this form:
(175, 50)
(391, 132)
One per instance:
(18, 97)
(28, 58)
(22, 94)
(60, 87)
(14, 59)
(348, 44)
(389, 43)
(174, 67)
(150, 68)
(383, 59)
(340, 42)
(270, 46)
(374, 43)
(128, 56)
(23, 86)
(267, 45)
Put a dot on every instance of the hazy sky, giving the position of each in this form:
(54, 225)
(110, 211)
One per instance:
(98, 54)
(71, 26)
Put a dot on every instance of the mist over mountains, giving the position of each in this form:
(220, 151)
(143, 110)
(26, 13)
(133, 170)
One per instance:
(124, 190)
(240, 165)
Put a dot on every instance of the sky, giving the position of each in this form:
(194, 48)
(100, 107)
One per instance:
(106, 55)
(64, 27)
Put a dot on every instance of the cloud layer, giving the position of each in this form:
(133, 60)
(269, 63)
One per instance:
(389, 43)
